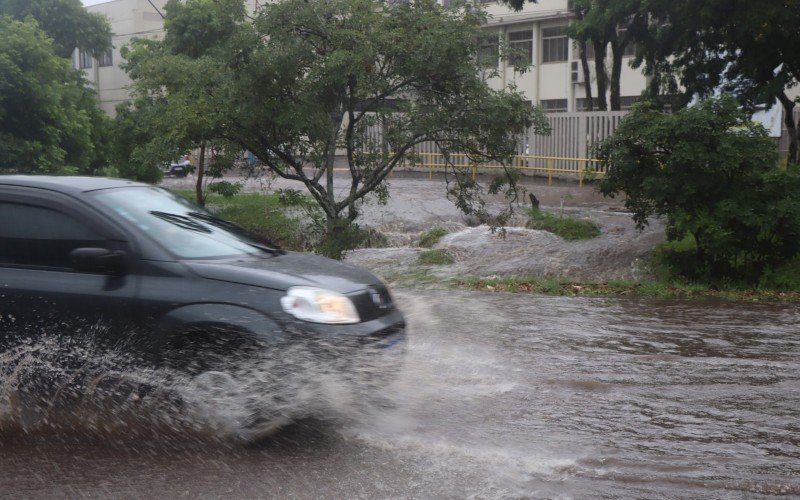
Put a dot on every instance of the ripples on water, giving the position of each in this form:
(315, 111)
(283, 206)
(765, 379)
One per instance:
(501, 396)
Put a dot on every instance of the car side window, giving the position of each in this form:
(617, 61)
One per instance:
(36, 236)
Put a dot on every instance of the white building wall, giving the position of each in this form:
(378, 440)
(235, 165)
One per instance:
(129, 19)
(543, 81)
(551, 81)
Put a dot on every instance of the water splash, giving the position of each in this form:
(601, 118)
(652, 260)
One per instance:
(67, 381)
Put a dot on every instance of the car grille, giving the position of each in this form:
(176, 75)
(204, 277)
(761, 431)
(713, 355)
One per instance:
(373, 302)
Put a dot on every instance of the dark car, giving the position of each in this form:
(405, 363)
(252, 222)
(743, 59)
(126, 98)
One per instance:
(174, 284)
(179, 168)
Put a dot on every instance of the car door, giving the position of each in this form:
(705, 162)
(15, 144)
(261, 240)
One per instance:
(40, 292)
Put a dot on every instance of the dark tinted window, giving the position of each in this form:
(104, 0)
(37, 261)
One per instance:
(37, 236)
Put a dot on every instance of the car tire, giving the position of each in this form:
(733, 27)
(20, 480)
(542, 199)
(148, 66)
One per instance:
(212, 362)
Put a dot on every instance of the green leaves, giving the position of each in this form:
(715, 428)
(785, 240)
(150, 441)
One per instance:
(713, 174)
(49, 119)
(305, 83)
(66, 22)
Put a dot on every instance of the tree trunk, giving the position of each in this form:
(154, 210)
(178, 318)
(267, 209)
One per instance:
(617, 51)
(791, 127)
(587, 76)
(201, 170)
(602, 76)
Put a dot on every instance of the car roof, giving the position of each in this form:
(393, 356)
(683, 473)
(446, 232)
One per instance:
(67, 184)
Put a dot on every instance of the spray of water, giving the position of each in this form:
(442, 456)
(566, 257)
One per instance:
(65, 381)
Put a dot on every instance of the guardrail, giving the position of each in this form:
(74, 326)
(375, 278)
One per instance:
(547, 165)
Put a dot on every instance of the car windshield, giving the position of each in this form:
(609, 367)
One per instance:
(185, 230)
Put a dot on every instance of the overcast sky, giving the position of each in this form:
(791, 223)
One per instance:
(92, 2)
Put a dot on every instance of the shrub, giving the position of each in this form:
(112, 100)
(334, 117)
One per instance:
(566, 227)
(348, 236)
(224, 188)
(432, 236)
(436, 257)
(290, 197)
(714, 174)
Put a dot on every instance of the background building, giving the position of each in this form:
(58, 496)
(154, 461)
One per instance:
(555, 79)
(128, 19)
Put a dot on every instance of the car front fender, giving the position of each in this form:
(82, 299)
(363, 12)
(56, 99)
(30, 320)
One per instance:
(222, 318)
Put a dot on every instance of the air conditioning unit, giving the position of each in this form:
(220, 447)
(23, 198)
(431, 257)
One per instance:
(576, 72)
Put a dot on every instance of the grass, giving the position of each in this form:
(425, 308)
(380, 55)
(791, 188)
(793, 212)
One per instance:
(569, 228)
(431, 237)
(261, 214)
(436, 257)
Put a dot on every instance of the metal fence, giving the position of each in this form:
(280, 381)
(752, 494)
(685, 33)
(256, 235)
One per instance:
(566, 152)
(549, 166)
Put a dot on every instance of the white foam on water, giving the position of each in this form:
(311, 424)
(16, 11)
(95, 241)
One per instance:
(65, 380)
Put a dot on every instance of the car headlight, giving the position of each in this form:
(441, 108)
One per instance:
(319, 306)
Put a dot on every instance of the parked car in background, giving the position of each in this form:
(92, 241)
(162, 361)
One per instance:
(178, 168)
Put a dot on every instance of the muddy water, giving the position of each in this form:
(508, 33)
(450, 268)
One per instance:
(501, 396)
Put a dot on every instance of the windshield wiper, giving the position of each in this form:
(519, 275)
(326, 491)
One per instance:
(181, 221)
(251, 239)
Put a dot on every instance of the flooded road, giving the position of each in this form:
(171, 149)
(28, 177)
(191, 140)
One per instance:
(502, 395)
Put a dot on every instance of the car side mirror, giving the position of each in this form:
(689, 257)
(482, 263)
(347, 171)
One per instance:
(99, 261)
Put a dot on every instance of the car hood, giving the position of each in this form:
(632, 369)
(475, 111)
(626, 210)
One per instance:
(283, 271)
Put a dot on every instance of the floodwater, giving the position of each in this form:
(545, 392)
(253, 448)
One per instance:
(501, 396)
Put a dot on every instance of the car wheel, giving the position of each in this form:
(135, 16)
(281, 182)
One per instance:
(219, 384)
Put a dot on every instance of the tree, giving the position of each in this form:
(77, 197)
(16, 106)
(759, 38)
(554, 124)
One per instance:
(700, 47)
(301, 81)
(713, 174)
(606, 23)
(49, 119)
(175, 111)
(138, 149)
(66, 22)
(586, 29)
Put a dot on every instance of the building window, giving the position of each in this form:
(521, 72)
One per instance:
(630, 48)
(521, 44)
(105, 59)
(589, 50)
(582, 104)
(554, 105)
(555, 44)
(488, 50)
(626, 101)
(85, 59)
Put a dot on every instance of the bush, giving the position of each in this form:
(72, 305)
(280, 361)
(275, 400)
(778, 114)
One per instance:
(436, 257)
(714, 174)
(566, 227)
(224, 188)
(348, 236)
(290, 197)
(431, 237)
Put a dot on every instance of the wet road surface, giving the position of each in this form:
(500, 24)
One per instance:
(501, 396)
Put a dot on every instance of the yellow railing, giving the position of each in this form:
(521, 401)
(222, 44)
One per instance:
(550, 166)
(547, 165)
